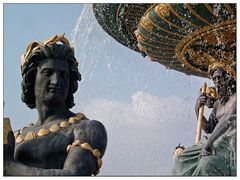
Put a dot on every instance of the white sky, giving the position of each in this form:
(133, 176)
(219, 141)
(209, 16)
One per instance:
(146, 109)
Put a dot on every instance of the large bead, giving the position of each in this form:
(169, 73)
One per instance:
(16, 134)
(20, 139)
(43, 132)
(96, 153)
(30, 135)
(80, 116)
(76, 143)
(86, 146)
(68, 148)
(64, 124)
(99, 163)
(54, 127)
(73, 120)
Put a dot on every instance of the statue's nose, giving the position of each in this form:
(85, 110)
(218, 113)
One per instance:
(55, 78)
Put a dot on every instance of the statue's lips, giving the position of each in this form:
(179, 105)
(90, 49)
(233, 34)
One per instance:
(55, 90)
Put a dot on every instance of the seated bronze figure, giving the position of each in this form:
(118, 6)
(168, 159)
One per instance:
(215, 155)
(60, 142)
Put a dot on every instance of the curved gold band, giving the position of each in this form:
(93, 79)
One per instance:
(95, 152)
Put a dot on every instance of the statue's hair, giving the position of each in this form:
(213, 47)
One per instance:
(29, 71)
(231, 81)
(230, 69)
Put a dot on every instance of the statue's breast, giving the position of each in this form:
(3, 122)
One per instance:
(48, 151)
(225, 110)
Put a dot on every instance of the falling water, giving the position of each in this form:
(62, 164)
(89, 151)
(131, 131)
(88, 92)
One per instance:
(146, 108)
(87, 42)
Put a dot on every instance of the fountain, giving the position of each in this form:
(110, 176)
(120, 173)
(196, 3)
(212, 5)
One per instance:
(184, 37)
(196, 39)
(149, 116)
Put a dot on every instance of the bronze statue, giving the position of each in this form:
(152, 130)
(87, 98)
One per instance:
(60, 142)
(215, 155)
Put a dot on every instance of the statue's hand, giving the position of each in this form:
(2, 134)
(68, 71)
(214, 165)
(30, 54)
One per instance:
(206, 151)
(201, 100)
(210, 101)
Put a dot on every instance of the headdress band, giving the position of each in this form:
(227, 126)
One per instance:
(224, 66)
(36, 44)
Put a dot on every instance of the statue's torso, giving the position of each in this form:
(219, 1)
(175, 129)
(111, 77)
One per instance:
(224, 110)
(49, 151)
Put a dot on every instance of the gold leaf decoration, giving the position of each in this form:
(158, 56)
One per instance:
(43, 132)
(30, 135)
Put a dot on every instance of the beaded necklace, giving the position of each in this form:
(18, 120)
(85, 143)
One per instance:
(42, 132)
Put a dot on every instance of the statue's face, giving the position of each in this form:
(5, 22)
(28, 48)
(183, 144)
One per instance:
(52, 82)
(219, 82)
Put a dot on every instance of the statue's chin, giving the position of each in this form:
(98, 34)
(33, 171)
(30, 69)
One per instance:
(54, 100)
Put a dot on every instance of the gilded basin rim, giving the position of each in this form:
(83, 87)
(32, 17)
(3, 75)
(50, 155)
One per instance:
(183, 43)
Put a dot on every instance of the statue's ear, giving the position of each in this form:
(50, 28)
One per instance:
(30, 75)
(28, 84)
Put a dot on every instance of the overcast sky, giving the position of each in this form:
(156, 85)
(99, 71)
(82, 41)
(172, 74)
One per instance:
(146, 109)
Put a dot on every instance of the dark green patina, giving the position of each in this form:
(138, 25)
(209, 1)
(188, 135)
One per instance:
(171, 31)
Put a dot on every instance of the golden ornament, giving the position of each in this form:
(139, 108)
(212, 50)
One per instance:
(16, 134)
(80, 116)
(19, 139)
(86, 146)
(177, 152)
(54, 127)
(96, 153)
(43, 132)
(76, 143)
(64, 124)
(30, 135)
(72, 120)
(68, 148)
(99, 163)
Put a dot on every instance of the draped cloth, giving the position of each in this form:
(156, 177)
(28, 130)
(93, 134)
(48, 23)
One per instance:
(221, 163)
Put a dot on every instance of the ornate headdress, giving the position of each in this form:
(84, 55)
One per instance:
(37, 44)
(226, 67)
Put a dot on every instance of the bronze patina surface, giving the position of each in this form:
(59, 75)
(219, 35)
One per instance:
(184, 37)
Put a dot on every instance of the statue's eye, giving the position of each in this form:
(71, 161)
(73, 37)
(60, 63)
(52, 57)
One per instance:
(47, 72)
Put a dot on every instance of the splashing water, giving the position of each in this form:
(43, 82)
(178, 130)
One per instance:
(89, 48)
(83, 36)
(135, 99)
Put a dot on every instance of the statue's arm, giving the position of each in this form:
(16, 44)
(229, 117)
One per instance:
(207, 125)
(227, 120)
(221, 128)
(13, 168)
(80, 160)
(210, 124)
